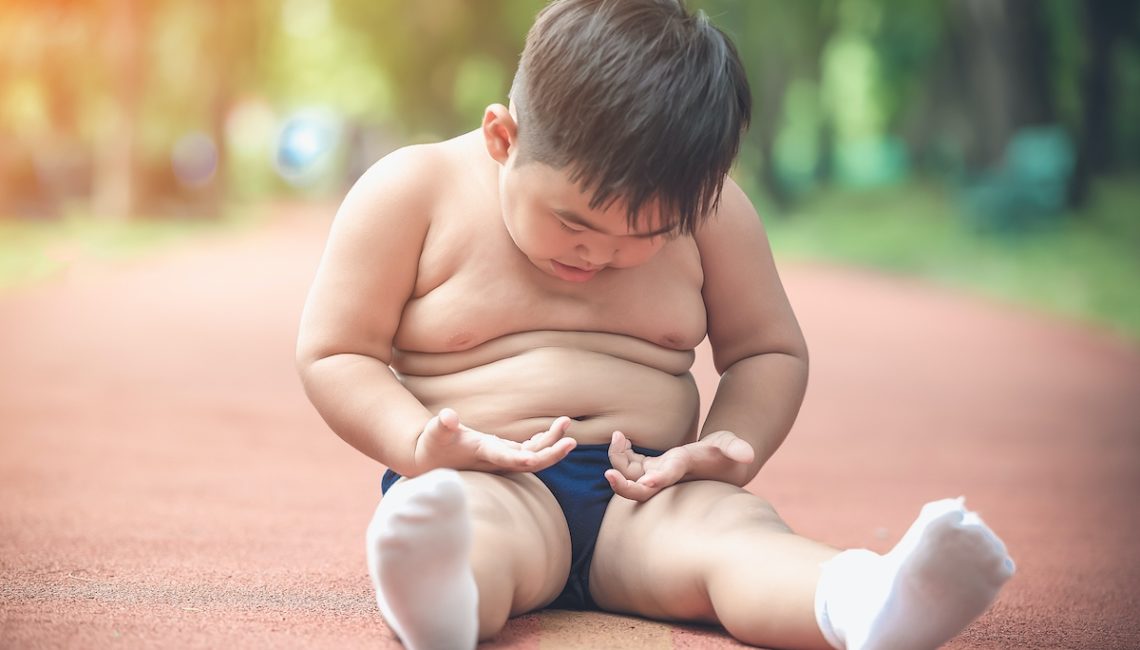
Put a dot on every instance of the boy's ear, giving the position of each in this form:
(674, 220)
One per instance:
(500, 132)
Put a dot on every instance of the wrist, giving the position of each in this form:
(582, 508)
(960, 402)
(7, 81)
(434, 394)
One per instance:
(421, 462)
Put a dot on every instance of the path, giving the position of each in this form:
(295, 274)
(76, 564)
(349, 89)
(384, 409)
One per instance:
(163, 481)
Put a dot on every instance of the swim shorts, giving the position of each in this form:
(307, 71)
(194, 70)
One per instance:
(579, 485)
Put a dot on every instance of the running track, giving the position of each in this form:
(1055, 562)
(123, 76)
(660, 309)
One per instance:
(164, 483)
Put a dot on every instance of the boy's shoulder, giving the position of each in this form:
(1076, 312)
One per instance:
(412, 176)
(412, 188)
(735, 215)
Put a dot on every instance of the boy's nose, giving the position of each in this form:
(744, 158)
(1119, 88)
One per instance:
(595, 255)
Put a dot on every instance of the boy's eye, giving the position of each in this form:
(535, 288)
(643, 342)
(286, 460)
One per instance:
(566, 227)
(668, 235)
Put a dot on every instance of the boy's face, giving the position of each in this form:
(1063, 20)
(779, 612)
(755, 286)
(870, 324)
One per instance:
(550, 220)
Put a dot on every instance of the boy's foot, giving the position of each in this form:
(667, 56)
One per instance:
(945, 571)
(418, 546)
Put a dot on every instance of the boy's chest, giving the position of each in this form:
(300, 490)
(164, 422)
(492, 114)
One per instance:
(486, 289)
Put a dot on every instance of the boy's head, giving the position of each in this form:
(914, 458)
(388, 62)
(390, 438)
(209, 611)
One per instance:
(639, 101)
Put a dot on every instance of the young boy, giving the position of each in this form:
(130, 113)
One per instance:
(507, 321)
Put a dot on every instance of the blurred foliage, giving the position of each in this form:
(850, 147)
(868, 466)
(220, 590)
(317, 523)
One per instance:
(1084, 267)
(1013, 111)
(851, 92)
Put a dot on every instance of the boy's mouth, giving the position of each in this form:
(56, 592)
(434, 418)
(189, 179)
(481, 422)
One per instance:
(572, 273)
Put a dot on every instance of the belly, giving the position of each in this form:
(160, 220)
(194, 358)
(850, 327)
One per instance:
(519, 395)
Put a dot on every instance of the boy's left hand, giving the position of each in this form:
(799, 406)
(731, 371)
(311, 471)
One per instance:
(639, 477)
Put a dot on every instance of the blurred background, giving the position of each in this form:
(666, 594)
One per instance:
(986, 144)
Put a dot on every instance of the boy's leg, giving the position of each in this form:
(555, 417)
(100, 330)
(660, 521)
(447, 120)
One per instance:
(708, 551)
(454, 554)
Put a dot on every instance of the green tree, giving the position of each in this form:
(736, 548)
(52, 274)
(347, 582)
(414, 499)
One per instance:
(434, 52)
(778, 42)
(1105, 24)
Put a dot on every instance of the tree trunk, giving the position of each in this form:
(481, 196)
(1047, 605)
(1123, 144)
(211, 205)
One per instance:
(767, 113)
(226, 44)
(1002, 57)
(116, 191)
(1103, 22)
(824, 26)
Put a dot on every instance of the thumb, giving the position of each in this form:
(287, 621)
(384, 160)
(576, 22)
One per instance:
(449, 419)
(443, 428)
(735, 448)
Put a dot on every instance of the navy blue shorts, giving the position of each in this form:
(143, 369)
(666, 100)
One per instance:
(579, 484)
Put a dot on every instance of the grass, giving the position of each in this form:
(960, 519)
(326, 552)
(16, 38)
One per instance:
(1085, 266)
(33, 251)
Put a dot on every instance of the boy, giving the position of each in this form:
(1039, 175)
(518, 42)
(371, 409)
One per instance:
(507, 320)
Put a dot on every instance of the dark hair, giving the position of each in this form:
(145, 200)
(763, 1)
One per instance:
(639, 99)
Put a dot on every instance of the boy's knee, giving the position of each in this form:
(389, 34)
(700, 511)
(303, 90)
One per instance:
(493, 499)
(738, 511)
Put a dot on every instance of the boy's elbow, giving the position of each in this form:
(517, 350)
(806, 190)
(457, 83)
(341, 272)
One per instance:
(311, 358)
(792, 343)
(302, 363)
(800, 351)
(797, 349)
(312, 368)
(305, 354)
(310, 354)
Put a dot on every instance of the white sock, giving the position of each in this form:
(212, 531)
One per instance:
(944, 573)
(418, 547)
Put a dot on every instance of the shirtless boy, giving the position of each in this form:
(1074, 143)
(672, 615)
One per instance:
(507, 320)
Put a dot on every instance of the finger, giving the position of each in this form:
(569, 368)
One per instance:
(510, 456)
(443, 428)
(627, 488)
(500, 451)
(624, 459)
(733, 447)
(544, 439)
(740, 451)
(448, 418)
(618, 447)
(552, 454)
(663, 475)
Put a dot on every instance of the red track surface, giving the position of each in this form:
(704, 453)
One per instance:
(163, 481)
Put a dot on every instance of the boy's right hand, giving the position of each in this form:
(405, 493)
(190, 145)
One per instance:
(445, 442)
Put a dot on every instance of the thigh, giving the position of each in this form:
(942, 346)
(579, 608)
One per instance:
(654, 559)
(517, 528)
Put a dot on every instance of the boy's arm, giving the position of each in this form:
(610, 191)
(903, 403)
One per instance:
(757, 348)
(365, 278)
(757, 344)
(367, 274)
